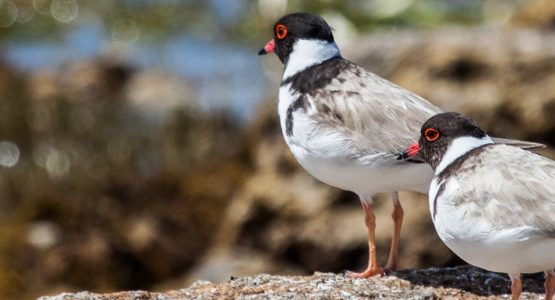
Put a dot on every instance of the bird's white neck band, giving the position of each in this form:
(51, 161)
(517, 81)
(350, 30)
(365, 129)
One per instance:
(459, 147)
(307, 53)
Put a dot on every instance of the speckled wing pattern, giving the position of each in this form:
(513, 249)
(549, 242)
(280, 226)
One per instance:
(509, 187)
(367, 114)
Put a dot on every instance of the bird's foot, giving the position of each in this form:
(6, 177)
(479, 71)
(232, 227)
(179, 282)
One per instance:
(368, 273)
(389, 268)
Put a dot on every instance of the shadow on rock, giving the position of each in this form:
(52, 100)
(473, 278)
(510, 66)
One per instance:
(470, 279)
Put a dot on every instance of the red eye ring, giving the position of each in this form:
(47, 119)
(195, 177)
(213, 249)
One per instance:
(431, 134)
(281, 31)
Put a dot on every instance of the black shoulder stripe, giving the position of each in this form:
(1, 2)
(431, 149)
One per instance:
(452, 169)
(456, 165)
(300, 103)
(439, 192)
(317, 76)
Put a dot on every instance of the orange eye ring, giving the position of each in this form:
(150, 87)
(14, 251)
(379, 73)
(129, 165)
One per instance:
(281, 31)
(431, 134)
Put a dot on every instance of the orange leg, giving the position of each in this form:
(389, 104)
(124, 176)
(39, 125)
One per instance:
(516, 286)
(397, 216)
(549, 284)
(370, 221)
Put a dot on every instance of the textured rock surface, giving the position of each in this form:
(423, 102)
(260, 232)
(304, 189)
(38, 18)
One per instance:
(449, 283)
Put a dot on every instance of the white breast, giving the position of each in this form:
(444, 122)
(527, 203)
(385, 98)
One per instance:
(459, 147)
(465, 230)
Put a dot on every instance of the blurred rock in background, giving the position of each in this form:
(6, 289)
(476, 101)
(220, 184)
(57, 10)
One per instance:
(99, 198)
(157, 158)
(503, 77)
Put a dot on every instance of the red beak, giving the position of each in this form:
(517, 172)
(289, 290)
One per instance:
(270, 46)
(413, 150)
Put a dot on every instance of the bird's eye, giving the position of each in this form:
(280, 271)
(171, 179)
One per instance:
(431, 134)
(281, 31)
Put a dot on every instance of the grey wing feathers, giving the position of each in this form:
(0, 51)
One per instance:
(371, 115)
(517, 188)
(370, 112)
(516, 143)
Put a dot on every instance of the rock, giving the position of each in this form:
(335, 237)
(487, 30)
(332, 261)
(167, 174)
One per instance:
(96, 191)
(539, 13)
(464, 282)
(95, 80)
(155, 94)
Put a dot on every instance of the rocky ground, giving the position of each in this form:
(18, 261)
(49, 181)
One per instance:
(438, 283)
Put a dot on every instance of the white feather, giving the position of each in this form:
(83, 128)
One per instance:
(498, 211)
(479, 242)
(307, 53)
(459, 147)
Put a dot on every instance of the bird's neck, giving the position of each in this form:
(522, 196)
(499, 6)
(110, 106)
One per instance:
(458, 148)
(307, 53)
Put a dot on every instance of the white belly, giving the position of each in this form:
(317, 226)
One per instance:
(503, 254)
(365, 179)
(478, 242)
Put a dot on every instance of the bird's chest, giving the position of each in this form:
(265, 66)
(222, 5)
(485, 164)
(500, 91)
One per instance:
(458, 218)
(319, 151)
(296, 125)
(313, 148)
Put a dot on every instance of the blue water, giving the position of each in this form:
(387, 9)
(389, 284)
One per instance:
(223, 74)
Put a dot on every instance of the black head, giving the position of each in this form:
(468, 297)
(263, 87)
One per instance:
(293, 27)
(439, 131)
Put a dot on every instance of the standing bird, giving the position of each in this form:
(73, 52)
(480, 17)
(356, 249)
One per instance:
(491, 204)
(346, 125)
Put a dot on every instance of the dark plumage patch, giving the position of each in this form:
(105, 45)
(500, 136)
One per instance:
(338, 116)
(334, 93)
(439, 192)
(454, 125)
(325, 109)
(450, 125)
(309, 80)
(455, 166)
(300, 103)
(300, 26)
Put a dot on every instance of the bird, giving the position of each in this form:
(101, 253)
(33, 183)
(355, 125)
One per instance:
(492, 204)
(346, 125)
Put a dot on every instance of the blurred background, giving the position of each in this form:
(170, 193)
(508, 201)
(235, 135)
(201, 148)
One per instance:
(140, 148)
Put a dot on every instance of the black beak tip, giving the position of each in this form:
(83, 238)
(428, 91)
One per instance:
(262, 52)
(403, 155)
